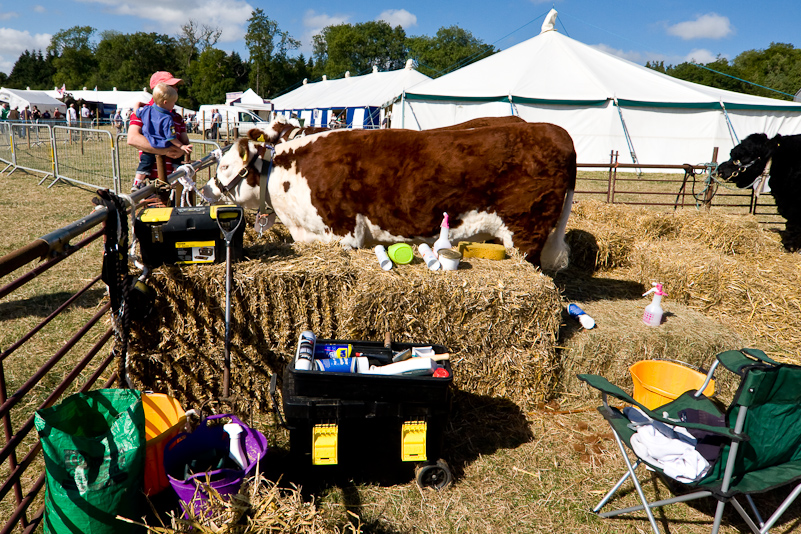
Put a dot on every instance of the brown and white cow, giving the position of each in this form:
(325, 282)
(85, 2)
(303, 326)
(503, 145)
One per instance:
(513, 182)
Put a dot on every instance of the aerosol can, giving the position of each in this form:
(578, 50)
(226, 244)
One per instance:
(653, 312)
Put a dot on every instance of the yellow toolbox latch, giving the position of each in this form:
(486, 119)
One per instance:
(324, 444)
(413, 441)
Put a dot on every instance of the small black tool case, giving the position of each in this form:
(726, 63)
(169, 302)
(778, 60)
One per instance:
(342, 418)
(184, 236)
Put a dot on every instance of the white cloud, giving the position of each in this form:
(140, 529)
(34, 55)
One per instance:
(700, 55)
(40, 9)
(398, 17)
(709, 26)
(228, 15)
(8, 15)
(313, 23)
(14, 42)
(634, 57)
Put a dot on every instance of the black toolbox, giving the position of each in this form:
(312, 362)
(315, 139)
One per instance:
(185, 236)
(342, 418)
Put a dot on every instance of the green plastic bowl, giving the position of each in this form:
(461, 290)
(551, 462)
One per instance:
(400, 253)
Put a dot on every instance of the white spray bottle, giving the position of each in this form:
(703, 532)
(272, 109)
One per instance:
(653, 312)
(443, 241)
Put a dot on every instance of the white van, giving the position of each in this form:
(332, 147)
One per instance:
(236, 120)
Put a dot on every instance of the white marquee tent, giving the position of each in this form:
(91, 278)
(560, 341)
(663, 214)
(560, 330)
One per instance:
(21, 99)
(111, 100)
(606, 103)
(360, 98)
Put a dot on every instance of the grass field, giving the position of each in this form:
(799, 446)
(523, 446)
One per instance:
(518, 471)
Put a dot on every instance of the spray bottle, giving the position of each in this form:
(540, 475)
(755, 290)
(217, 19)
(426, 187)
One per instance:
(653, 312)
(443, 241)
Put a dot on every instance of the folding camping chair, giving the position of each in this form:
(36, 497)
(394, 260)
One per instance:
(759, 446)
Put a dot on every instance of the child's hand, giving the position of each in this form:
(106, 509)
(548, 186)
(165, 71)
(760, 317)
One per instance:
(187, 149)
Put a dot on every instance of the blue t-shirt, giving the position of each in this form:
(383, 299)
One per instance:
(158, 126)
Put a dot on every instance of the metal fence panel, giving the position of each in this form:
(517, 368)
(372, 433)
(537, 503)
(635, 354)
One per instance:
(32, 144)
(127, 158)
(6, 150)
(85, 156)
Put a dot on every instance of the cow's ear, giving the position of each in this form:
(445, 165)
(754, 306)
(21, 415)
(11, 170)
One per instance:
(775, 142)
(242, 147)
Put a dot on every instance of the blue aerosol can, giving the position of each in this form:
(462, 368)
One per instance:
(581, 316)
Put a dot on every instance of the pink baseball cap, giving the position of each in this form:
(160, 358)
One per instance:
(163, 76)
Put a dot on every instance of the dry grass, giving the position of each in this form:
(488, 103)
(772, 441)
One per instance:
(521, 465)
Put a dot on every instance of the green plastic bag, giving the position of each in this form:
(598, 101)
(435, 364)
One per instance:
(94, 449)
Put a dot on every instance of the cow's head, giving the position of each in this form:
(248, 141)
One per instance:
(238, 174)
(747, 160)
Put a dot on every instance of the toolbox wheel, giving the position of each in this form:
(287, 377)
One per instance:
(437, 476)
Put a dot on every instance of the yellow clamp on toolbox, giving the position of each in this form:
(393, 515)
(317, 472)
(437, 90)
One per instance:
(413, 441)
(324, 444)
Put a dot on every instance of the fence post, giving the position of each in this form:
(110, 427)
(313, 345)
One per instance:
(610, 191)
(709, 193)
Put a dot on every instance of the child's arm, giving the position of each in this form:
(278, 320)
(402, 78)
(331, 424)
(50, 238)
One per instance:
(185, 148)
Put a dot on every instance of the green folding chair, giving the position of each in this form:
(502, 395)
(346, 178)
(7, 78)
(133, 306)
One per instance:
(760, 444)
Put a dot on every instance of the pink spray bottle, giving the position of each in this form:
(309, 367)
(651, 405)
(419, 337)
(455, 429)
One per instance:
(653, 312)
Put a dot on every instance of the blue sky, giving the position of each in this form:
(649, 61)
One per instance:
(672, 31)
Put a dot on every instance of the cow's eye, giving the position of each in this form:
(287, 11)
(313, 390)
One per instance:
(223, 167)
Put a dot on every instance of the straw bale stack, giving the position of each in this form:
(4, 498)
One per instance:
(499, 319)
(727, 267)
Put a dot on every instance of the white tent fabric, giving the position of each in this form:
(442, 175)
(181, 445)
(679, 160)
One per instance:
(606, 103)
(251, 100)
(19, 99)
(111, 100)
(373, 90)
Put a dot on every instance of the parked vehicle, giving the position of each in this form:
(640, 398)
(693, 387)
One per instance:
(235, 120)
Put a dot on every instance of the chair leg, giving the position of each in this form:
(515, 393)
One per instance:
(740, 510)
(781, 509)
(614, 489)
(636, 483)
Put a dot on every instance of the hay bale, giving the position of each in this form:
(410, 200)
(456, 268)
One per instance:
(621, 338)
(498, 318)
(727, 266)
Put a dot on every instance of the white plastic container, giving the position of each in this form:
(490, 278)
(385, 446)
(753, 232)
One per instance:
(304, 355)
(235, 444)
(429, 256)
(412, 366)
(652, 316)
(443, 241)
(383, 259)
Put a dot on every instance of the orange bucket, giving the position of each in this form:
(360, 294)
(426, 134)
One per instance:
(164, 419)
(657, 382)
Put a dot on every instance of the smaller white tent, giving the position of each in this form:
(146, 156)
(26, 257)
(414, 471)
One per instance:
(111, 100)
(358, 98)
(252, 101)
(20, 99)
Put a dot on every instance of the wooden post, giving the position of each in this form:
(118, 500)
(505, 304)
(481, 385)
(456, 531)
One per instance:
(710, 191)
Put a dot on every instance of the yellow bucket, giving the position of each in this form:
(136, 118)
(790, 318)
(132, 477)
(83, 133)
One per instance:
(657, 382)
(164, 419)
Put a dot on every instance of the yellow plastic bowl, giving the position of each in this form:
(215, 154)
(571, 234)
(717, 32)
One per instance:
(164, 419)
(657, 382)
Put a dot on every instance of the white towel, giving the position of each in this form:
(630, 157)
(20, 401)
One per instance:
(678, 459)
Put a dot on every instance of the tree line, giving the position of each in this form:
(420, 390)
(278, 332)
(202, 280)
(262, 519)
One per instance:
(82, 57)
(774, 72)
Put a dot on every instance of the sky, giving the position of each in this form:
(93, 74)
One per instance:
(672, 31)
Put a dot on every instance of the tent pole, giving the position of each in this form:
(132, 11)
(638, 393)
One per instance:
(628, 137)
(732, 133)
(403, 109)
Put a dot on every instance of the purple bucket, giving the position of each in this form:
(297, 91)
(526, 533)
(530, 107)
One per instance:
(197, 461)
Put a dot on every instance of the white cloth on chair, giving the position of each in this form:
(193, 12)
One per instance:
(675, 454)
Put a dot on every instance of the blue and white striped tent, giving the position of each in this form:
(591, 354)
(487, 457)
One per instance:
(357, 100)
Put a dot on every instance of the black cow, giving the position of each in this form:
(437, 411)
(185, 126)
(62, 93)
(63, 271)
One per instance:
(748, 160)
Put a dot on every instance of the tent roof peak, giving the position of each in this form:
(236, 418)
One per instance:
(550, 21)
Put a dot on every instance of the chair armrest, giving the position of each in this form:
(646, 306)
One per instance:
(602, 384)
(736, 360)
